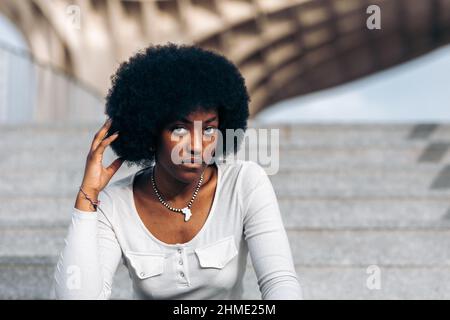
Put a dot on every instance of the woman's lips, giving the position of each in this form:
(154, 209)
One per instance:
(192, 163)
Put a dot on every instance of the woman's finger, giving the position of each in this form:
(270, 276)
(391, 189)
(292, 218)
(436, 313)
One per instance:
(103, 144)
(114, 166)
(98, 138)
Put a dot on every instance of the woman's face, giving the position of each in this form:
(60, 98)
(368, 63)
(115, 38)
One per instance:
(192, 139)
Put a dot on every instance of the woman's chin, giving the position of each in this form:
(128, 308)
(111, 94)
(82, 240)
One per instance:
(190, 170)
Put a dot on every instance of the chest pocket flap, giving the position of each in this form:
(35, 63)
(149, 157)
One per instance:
(217, 254)
(146, 264)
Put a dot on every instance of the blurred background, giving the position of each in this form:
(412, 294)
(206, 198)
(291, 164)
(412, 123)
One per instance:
(358, 89)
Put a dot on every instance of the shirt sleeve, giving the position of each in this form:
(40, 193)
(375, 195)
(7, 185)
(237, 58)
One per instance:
(267, 239)
(88, 262)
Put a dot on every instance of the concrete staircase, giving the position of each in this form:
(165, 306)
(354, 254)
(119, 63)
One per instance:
(351, 195)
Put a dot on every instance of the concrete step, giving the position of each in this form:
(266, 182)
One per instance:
(409, 130)
(370, 213)
(33, 280)
(351, 196)
(349, 247)
(427, 180)
(367, 182)
(289, 157)
(30, 280)
(80, 144)
(300, 135)
(406, 282)
(305, 213)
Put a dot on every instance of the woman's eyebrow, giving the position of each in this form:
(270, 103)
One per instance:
(208, 120)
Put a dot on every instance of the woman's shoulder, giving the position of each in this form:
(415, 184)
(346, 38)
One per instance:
(247, 172)
(119, 185)
(115, 197)
(117, 189)
(249, 166)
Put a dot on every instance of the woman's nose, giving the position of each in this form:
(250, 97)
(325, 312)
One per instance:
(196, 144)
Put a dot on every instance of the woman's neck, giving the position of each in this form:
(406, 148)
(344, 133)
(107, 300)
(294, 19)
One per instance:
(173, 189)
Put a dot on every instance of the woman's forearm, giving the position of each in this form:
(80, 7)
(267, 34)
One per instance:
(78, 272)
(91, 254)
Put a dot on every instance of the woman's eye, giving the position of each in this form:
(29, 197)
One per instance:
(179, 130)
(210, 130)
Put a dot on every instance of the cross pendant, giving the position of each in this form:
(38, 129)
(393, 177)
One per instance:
(187, 213)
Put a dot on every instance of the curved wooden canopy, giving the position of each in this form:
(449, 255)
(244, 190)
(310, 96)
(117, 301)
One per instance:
(284, 48)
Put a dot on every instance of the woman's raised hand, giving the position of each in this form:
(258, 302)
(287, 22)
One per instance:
(96, 177)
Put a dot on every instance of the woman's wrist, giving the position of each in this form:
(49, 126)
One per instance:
(85, 199)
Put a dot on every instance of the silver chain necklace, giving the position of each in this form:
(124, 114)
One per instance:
(186, 210)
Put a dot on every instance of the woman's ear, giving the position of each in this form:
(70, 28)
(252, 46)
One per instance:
(153, 146)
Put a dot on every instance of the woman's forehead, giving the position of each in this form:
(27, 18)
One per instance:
(199, 115)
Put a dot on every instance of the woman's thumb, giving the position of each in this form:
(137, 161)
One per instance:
(114, 166)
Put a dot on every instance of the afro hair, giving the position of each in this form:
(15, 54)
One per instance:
(164, 83)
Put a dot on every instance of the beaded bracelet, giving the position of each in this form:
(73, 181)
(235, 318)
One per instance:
(94, 203)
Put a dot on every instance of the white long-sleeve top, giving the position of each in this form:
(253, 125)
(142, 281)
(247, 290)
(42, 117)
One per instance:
(244, 218)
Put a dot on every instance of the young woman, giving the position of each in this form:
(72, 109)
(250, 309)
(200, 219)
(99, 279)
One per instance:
(183, 225)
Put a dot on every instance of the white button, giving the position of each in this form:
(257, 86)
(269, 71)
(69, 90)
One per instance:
(179, 250)
(182, 274)
(142, 274)
(180, 262)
